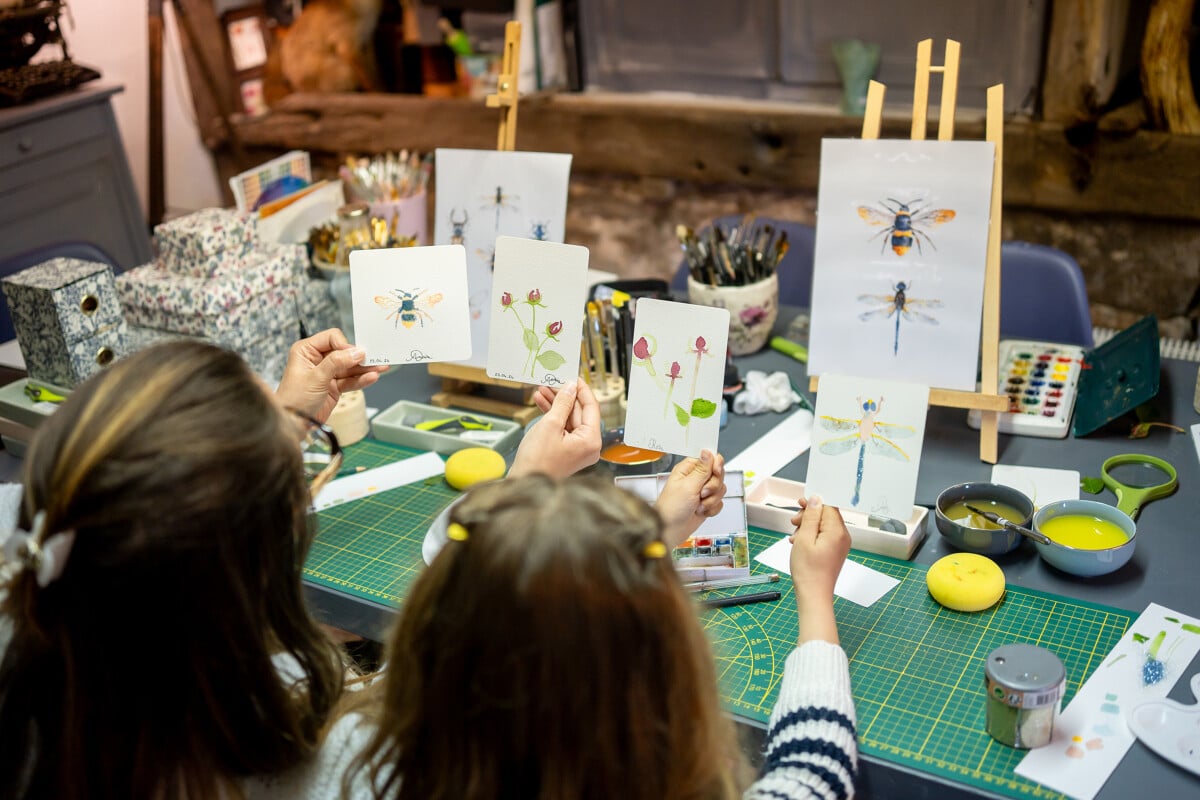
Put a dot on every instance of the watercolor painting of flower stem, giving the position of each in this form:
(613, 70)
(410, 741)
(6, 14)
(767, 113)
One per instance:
(644, 350)
(535, 339)
(538, 295)
(677, 365)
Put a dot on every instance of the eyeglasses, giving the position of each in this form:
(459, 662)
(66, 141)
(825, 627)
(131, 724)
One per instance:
(320, 451)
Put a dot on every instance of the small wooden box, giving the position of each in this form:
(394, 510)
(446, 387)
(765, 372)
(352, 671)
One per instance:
(67, 317)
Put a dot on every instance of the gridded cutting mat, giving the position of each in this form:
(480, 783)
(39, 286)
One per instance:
(371, 548)
(917, 669)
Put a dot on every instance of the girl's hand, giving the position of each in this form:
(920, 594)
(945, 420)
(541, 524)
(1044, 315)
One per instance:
(566, 439)
(819, 548)
(694, 491)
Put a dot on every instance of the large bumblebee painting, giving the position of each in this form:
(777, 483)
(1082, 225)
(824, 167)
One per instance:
(907, 223)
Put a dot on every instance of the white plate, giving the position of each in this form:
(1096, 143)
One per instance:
(1171, 729)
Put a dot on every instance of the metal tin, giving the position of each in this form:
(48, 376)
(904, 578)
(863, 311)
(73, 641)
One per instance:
(1024, 693)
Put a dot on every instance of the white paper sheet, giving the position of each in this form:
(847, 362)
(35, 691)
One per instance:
(678, 368)
(858, 584)
(482, 194)
(1196, 438)
(410, 304)
(1039, 484)
(867, 444)
(380, 479)
(1091, 736)
(900, 254)
(539, 291)
(775, 449)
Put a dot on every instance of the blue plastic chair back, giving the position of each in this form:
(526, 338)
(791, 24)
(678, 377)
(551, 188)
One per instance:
(1042, 295)
(85, 251)
(795, 270)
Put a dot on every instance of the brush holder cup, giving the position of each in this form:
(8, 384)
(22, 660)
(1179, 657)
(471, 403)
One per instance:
(752, 310)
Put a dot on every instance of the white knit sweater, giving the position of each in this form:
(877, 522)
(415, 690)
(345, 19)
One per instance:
(811, 742)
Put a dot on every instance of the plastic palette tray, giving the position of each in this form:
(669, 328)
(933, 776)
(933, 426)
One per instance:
(1041, 380)
(762, 509)
(395, 425)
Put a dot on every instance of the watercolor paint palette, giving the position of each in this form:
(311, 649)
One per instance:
(1041, 380)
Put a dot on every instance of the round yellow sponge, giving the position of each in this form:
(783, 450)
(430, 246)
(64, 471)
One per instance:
(468, 467)
(965, 582)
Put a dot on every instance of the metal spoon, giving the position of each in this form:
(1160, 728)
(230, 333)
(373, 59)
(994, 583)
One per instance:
(991, 516)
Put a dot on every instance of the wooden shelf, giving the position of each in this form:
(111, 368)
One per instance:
(709, 140)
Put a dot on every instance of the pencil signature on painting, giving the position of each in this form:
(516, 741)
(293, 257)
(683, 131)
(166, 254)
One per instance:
(867, 436)
(535, 339)
(418, 355)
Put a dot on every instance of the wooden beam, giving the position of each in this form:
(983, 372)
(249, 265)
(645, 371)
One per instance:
(204, 56)
(1083, 58)
(1166, 75)
(755, 144)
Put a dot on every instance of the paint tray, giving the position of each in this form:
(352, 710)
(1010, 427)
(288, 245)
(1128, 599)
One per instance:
(1118, 376)
(720, 547)
(763, 510)
(396, 425)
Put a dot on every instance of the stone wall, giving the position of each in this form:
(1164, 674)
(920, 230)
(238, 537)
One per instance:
(1132, 267)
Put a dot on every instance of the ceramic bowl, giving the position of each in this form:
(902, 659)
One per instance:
(1078, 561)
(980, 540)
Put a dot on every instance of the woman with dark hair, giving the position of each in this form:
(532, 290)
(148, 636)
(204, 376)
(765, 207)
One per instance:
(159, 645)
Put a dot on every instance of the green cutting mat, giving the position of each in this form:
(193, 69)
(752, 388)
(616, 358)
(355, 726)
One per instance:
(916, 668)
(371, 548)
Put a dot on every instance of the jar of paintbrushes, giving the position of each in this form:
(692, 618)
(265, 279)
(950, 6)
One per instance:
(733, 267)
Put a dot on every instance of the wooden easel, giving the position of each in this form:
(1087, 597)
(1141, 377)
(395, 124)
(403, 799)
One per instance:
(986, 399)
(459, 382)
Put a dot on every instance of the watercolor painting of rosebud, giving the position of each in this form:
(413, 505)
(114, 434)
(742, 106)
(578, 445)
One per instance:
(677, 371)
(538, 295)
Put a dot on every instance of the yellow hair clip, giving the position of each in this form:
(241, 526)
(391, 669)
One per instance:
(655, 549)
(456, 532)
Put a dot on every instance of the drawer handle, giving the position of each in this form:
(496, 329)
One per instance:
(89, 304)
(104, 356)
(25, 144)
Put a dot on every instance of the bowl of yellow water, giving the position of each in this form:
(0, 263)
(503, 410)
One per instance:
(967, 530)
(1086, 537)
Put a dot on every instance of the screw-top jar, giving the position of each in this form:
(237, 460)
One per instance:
(1025, 687)
(354, 231)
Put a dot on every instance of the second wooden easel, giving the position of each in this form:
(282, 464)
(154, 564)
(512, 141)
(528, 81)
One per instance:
(986, 399)
(461, 384)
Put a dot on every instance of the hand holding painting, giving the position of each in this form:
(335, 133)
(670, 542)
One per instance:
(567, 437)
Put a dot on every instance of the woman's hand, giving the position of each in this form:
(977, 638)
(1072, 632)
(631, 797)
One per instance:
(567, 437)
(319, 369)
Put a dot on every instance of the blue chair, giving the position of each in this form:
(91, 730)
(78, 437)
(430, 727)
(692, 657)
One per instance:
(795, 270)
(85, 251)
(1042, 295)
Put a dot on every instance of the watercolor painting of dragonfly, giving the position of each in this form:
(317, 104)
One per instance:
(868, 434)
(898, 304)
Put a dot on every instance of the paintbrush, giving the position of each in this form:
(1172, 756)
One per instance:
(995, 518)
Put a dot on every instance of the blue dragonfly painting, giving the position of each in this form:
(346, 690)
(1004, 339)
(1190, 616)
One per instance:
(899, 304)
(868, 434)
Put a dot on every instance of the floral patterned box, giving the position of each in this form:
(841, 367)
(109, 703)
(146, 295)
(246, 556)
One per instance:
(237, 327)
(65, 311)
(267, 268)
(317, 308)
(266, 355)
(205, 242)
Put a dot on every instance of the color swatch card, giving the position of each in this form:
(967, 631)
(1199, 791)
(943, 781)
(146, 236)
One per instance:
(538, 294)
(902, 230)
(482, 194)
(866, 444)
(410, 304)
(677, 371)
(1091, 736)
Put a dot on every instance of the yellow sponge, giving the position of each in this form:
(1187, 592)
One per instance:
(965, 582)
(473, 465)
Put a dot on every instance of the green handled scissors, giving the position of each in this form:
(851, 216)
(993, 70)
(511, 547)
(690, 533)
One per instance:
(1137, 479)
